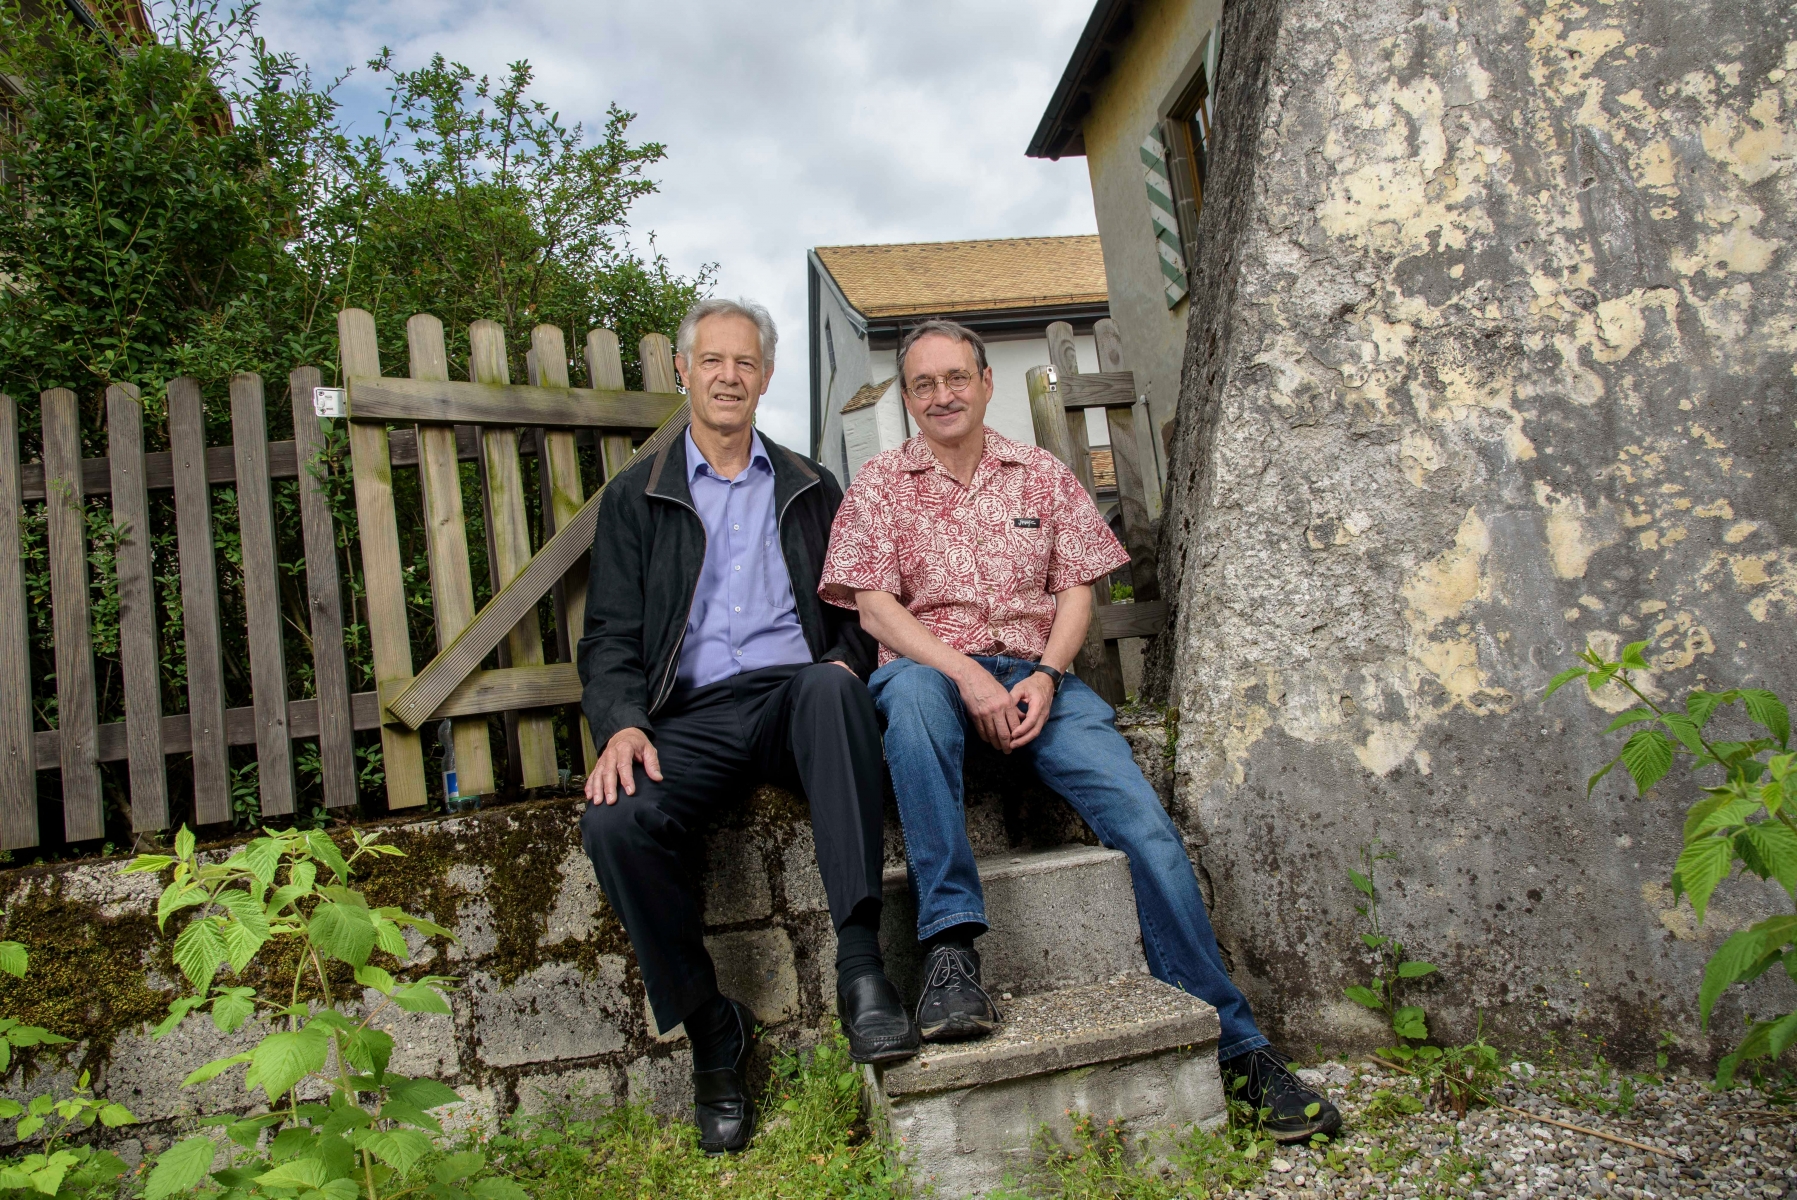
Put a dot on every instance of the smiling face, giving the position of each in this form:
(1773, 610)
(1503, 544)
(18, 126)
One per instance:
(945, 416)
(725, 377)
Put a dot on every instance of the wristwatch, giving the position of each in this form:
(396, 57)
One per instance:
(1059, 677)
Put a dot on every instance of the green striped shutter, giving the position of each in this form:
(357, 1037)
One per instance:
(1165, 222)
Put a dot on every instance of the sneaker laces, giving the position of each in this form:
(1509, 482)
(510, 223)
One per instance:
(1268, 1080)
(948, 963)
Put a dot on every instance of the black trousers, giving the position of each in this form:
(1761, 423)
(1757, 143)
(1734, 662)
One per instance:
(810, 727)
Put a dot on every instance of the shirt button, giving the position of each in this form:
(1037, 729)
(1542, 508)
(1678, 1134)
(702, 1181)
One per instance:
(739, 608)
(739, 566)
(739, 654)
(736, 527)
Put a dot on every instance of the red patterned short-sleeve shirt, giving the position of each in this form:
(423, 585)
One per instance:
(978, 563)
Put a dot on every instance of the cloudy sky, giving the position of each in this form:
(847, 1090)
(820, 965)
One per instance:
(789, 124)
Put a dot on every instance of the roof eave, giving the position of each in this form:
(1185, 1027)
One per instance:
(1060, 132)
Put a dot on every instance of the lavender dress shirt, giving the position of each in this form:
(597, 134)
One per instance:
(743, 614)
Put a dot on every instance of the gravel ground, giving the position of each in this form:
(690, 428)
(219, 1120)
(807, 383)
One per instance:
(1736, 1143)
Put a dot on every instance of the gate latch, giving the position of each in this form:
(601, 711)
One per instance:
(1053, 379)
(330, 402)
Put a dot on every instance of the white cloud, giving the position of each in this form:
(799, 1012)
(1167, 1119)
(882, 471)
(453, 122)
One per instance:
(788, 125)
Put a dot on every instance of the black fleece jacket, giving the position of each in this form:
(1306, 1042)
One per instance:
(647, 552)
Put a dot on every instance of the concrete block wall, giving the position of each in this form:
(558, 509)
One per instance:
(550, 1009)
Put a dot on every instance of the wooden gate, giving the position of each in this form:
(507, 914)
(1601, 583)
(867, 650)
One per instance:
(1059, 398)
(453, 684)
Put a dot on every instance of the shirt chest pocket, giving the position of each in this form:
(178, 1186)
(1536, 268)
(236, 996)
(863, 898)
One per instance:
(1028, 540)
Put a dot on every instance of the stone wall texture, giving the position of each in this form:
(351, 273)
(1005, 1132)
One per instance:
(549, 1009)
(1493, 356)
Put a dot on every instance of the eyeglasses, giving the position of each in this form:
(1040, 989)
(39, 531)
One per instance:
(924, 386)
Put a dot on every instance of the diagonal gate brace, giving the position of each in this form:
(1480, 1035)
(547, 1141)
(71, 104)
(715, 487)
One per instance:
(413, 706)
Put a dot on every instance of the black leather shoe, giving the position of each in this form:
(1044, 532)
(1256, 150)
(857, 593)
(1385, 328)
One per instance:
(874, 1018)
(722, 1106)
(1289, 1111)
(954, 1007)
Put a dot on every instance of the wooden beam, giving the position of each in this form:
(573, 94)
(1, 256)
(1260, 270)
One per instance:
(1102, 389)
(262, 595)
(1137, 619)
(545, 686)
(239, 727)
(83, 808)
(205, 732)
(504, 404)
(140, 663)
(18, 756)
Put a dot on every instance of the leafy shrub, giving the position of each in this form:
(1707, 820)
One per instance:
(339, 1122)
(1744, 819)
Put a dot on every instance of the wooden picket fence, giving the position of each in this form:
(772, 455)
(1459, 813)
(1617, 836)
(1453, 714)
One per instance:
(442, 424)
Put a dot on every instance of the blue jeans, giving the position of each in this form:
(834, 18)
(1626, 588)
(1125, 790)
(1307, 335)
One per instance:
(1079, 754)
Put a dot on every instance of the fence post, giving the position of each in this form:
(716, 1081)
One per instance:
(199, 604)
(1126, 457)
(558, 464)
(138, 657)
(511, 548)
(402, 754)
(18, 755)
(262, 596)
(83, 813)
(330, 672)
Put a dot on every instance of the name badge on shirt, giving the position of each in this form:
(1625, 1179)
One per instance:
(1026, 522)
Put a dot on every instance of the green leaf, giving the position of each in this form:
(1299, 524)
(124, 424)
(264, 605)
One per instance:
(398, 1148)
(326, 852)
(1733, 811)
(214, 1069)
(1364, 996)
(114, 1115)
(232, 1007)
(1648, 756)
(388, 937)
(1698, 813)
(1408, 1022)
(497, 1187)
(1769, 711)
(1373, 941)
(459, 1166)
(147, 862)
(1360, 881)
(184, 842)
(370, 1050)
(422, 1093)
(261, 858)
(28, 1126)
(1728, 965)
(281, 897)
(1704, 864)
(347, 1117)
(296, 1173)
(421, 997)
(10, 1109)
(198, 951)
(374, 977)
(1563, 678)
(343, 932)
(1415, 970)
(177, 896)
(340, 1189)
(405, 1114)
(13, 959)
(31, 1035)
(1631, 657)
(1780, 1034)
(185, 1163)
(1633, 716)
(1685, 730)
(1702, 706)
(283, 1059)
(177, 1009)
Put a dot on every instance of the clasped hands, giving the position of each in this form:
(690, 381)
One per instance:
(1006, 720)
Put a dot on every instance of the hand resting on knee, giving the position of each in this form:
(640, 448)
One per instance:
(616, 767)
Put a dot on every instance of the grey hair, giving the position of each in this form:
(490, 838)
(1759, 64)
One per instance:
(717, 306)
(941, 328)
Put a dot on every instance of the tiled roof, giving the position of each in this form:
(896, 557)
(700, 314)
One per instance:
(1104, 470)
(950, 277)
(868, 395)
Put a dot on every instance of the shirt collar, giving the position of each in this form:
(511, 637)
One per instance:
(695, 458)
(919, 457)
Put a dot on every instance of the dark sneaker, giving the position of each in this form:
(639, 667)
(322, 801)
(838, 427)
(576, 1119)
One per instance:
(1290, 1111)
(954, 1007)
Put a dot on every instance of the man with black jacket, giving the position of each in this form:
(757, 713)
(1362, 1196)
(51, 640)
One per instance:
(708, 665)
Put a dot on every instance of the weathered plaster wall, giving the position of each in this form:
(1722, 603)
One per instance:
(1493, 355)
(550, 1007)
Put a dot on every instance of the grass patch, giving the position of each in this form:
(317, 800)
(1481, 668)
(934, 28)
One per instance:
(813, 1143)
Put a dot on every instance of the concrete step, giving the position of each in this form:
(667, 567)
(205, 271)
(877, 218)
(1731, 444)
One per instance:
(1059, 918)
(964, 1116)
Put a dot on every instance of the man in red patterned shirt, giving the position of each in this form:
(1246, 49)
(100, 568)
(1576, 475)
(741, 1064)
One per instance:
(970, 559)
